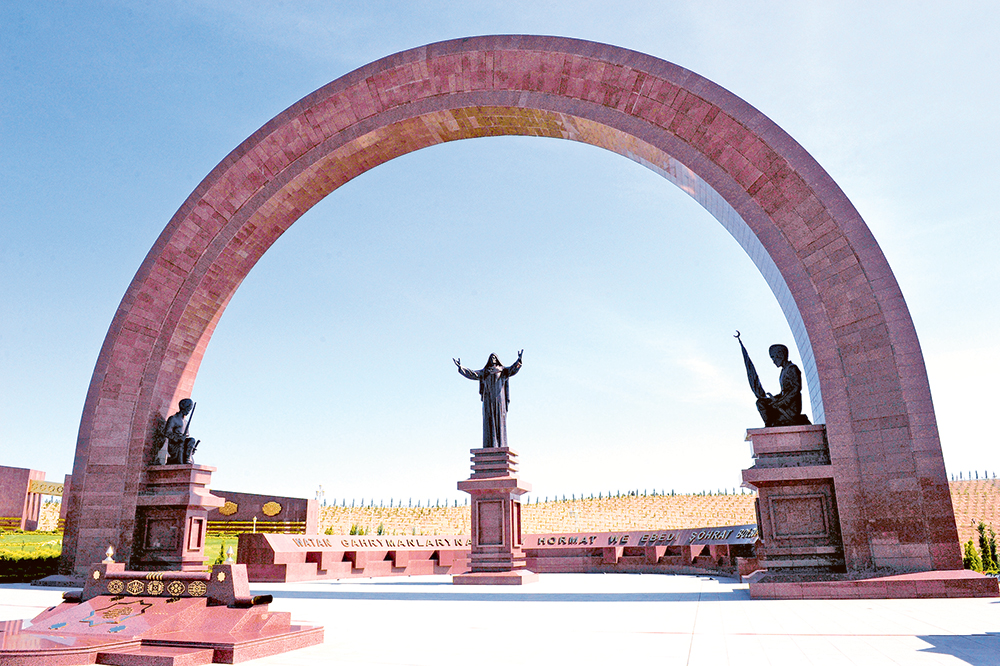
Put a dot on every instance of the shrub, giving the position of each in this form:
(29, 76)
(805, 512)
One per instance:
(970, 558)
(987, 547)
(992, 541)
(18, 567)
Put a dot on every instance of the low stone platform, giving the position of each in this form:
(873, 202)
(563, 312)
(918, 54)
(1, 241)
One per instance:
(922, 585)
(288, 558)
(517, 577)
(139, 618)
(725, 551)
(607, 619)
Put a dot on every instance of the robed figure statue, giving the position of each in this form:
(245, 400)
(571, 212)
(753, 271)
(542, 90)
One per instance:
(495, 395)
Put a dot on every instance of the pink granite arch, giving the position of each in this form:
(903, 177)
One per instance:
(851, 324)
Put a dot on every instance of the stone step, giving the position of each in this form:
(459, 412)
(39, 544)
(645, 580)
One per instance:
(157, 655)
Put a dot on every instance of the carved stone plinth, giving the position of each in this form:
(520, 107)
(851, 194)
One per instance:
(496, 557)
(172, 518)
(796, 503)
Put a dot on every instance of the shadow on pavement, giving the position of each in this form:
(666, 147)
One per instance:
(974, 649)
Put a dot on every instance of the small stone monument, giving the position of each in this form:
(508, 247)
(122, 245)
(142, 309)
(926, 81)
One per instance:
(496, 557)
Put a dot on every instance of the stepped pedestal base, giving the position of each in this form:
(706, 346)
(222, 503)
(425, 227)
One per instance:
(496, 557)
(796, 501)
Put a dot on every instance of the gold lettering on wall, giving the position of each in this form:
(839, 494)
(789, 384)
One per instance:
(45, 487)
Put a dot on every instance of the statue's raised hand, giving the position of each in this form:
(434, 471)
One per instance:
(458, 362)
(519, 354)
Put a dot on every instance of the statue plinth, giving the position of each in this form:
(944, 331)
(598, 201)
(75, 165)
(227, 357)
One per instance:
(172, 518)
(496, 557)
(796, 502)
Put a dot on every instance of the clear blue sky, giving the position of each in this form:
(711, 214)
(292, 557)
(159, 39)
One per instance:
(332, 364)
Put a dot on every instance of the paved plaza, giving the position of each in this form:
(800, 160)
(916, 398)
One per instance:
(603, 619)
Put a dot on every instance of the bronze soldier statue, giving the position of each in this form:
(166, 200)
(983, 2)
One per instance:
(784, 409)
(180, 446)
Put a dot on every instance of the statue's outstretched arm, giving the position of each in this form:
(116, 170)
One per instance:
(515, 366)
(465, 372)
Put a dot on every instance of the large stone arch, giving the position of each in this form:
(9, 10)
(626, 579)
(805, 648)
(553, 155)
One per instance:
(855, 336)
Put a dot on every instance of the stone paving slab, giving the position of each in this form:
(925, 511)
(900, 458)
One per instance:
(602, 619)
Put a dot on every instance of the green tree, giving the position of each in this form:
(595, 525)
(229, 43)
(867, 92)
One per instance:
(971, 559)
(993, 550)
(986, 548)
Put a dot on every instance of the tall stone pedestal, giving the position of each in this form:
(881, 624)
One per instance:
(796, 504)
(496, 557)
(172, 518)
(802, 548)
